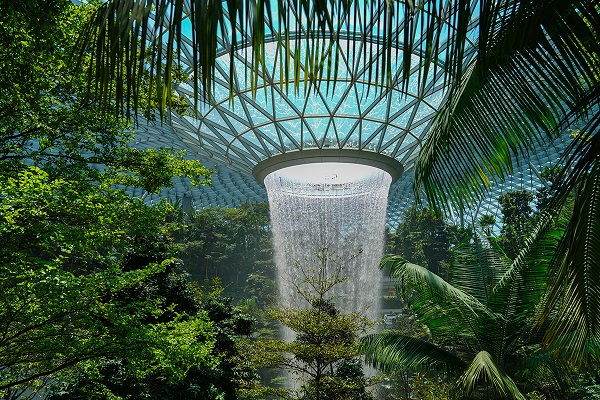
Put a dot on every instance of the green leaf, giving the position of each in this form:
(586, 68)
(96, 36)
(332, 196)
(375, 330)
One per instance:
(483, 368)
(393, 352)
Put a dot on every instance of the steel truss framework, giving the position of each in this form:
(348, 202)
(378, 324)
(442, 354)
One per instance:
(268, 117)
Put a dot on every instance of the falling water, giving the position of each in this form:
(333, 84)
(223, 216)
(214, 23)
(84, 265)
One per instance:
(338, 206)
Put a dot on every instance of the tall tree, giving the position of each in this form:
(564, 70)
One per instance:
(65, 227)
(63, 271)
(47, 120)
(234, 245)
(517, 218)
(323, 356)
(425, 238)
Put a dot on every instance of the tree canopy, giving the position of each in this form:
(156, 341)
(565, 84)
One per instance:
(81, 261)
(320, 349)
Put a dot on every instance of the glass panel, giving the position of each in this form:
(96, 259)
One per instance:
(318, 126)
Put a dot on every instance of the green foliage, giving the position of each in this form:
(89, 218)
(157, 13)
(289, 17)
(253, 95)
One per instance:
(486, 222)
(587, 386)
(233, 244)
(46, 118)
(153, 169)
(64, 270)
(428, 389)
(497, 113)
(484, 368)
(479, 320)
(535, 75)
(425, 238)
(550, 178)
(156, 379)
(323, 357)
(517, 217)
(68, 235)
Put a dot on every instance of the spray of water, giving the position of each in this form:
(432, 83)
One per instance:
(338, 206)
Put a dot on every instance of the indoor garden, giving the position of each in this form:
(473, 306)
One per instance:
(299, 199)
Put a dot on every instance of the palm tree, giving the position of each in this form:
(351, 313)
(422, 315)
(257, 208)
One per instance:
(535, 73)
(479, 320)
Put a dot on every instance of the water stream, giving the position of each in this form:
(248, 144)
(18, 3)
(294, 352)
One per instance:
(338, 206)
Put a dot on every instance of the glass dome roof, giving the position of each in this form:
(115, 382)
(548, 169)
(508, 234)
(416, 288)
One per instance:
(267, 115)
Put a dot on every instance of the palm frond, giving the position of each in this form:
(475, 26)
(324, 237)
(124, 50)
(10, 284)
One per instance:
(403, 272)
(150, 34)
(519, 292)
(391, 352)
(445, 309)
(539, 60)
(483, 368)
(476, 268)
(128, 37)
(574, 297)
(512, 291)
(543, 368)
(537, 251)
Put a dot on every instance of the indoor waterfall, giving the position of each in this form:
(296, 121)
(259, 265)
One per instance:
(338, 206)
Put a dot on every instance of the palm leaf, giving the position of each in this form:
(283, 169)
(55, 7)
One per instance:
(512, 291)
(574, 298)
(391, 352)
(403, 271)
(537, 251)
(476, 268)
(539, 59)
(543, 368)
(483, 368)
(518, 293)
(127, 31)
(446, 310)
(537, 75)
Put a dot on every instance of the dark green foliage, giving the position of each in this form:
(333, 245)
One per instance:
(481, 320)
(234, 245)
(177, 297)
(517, 217)
(63, 277)
(486, 222)
(123, 376)
(230, 323)
(425, 238)
(550, 180)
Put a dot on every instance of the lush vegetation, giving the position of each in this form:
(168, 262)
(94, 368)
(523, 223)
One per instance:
(533, 78)
(473, 328)
(94, 302)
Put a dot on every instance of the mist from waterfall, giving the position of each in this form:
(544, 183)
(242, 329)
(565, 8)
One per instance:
(338, 206)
